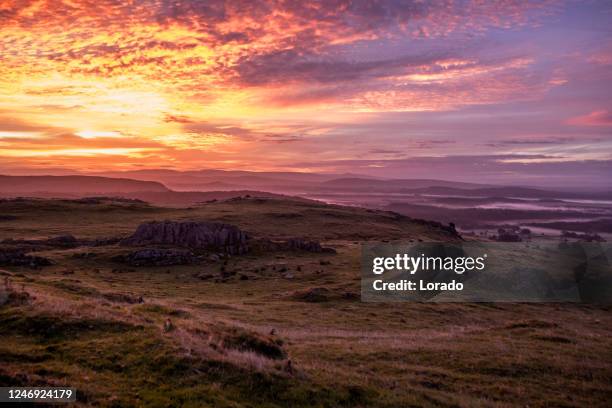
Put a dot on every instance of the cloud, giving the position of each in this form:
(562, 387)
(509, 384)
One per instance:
(264, 83)
(292, 65)
(597, 118)
(177, 119)
(421, 83)
(9, 124)
(539, 141)
(199, 46)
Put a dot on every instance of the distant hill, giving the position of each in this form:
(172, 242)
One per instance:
(169, 187)
(223, 175)
(150, 191)
(360, 184)
(187, 198)
(449, 188)
(30, 185)
(207, 180)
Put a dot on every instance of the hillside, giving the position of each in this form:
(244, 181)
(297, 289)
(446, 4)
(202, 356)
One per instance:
(75, 185)
(274, 217)
(268, 328)
(283, 182)
(393, 185)
(153, 192)
(204, 180)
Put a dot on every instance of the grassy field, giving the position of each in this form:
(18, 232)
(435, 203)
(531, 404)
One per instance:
(275, 329)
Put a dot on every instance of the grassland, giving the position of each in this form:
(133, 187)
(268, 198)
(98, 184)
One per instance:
(282, 328)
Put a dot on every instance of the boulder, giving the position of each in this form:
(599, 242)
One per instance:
(12, 257)
(158, 257)
(216, 236)
(308, 246)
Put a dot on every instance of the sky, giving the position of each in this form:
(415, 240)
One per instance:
(510, 92)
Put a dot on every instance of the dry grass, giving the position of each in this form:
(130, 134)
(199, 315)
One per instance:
(343, 352)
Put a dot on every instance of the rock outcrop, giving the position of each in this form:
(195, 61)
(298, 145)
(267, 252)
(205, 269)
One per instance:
(66, 241)
(215, 236)
(158, 257)
(61, 241)
(313, 295)
(16, 257)
(306, 245)
(295, 244)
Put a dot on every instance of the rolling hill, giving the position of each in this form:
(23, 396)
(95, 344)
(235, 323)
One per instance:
(75, 185)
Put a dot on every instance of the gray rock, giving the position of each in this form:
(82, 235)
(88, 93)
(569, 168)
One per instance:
(216, 236)
(296, 244)
(158, 257)
(19, 258)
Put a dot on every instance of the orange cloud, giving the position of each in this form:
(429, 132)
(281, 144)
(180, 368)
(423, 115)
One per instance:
(189, 81)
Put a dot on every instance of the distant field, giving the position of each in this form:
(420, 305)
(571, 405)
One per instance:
(473, 212)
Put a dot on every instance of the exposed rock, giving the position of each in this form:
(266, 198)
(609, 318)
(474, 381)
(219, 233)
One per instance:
(158, 257)
(216, 236)
(11, 257)
(103, 241)
(295, 244)
(509, 234)
(587, 237)
(509, 237)
(449, 229)
(205, 276)
(309, 246)
(28, 245)
(67, 241)
(313, 295)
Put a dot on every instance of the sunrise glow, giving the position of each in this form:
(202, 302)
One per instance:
(293, 86)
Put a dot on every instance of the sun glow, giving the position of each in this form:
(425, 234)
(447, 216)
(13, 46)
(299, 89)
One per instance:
(266, 85)
(92, 134)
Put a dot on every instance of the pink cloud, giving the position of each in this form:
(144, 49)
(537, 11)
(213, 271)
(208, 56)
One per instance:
(597, 118)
